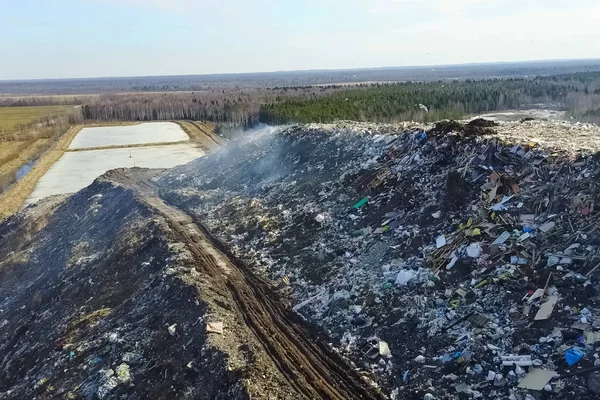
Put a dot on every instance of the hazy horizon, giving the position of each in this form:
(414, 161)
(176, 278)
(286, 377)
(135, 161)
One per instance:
(68, 39)
(391, 67)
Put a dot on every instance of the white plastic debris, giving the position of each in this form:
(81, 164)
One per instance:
(384, 349)
(452, 262)
(405, 276)
(320, 218)
(172, 329)
(519, 371)
(502, 205)
(440, 241)
(474, 250)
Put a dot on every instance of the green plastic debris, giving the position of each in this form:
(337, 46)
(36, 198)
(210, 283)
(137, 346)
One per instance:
(361, 203)
(388, 285)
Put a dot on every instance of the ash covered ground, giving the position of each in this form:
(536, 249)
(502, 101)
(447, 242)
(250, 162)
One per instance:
(88, 289)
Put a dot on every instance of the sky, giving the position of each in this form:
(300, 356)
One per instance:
(97, 38)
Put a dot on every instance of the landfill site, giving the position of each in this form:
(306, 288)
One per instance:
(455, 260)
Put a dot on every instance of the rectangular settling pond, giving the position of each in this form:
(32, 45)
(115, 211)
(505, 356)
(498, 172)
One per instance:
(148, 132)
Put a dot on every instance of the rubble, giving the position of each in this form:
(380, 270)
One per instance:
(471, 256)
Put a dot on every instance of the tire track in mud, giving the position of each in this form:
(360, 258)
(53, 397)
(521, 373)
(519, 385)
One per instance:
(309, 366)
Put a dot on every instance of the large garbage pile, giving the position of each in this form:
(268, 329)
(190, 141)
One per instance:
(447, 265)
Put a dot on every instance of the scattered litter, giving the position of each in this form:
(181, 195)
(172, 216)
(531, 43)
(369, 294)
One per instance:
(384, 349)
(474, 250)
(538, 294)
(592, 337)
(463, 265)
(593, 382)
(546, 309)
(172, 329)
(479, 320)
(521, 361)
(361, 203)
(536, 379)
(502, 238)
(440, 241)
(502, 205)
(547, 226)
(214, 327)
(573, 356)
(405, 276)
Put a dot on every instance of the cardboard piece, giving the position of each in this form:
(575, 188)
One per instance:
(547, 226)
(214, 327)
(536, 379)
(592, 337)
(538, 294)
(546, 309)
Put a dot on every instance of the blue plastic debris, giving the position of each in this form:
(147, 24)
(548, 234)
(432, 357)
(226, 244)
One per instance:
(518, 260)
(572, 356)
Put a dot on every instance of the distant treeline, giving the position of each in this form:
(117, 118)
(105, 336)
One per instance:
(430, 101)
(38, 101)
(234, 107)
(576, 93)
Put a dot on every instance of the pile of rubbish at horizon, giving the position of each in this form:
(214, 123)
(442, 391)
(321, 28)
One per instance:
(444, 263)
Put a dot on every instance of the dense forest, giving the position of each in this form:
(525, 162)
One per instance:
(430, 101)
(238, 107)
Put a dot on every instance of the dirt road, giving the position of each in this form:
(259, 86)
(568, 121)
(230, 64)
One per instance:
(309, 367)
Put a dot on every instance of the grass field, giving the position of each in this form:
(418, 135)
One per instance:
(13, 199)
(10, 117)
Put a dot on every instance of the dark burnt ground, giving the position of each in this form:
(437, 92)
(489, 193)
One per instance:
(85, 304)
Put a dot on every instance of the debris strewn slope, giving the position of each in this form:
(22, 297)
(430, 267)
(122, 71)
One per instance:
(423, 254)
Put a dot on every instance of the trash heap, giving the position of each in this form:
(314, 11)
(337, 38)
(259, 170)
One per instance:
(444, 264)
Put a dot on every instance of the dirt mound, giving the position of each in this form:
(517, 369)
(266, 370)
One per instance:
(86, 302)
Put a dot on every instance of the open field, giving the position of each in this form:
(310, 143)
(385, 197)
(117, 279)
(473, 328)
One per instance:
(11, 117)
(10, 150)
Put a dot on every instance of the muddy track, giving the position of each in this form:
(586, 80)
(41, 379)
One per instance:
(312, 370)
